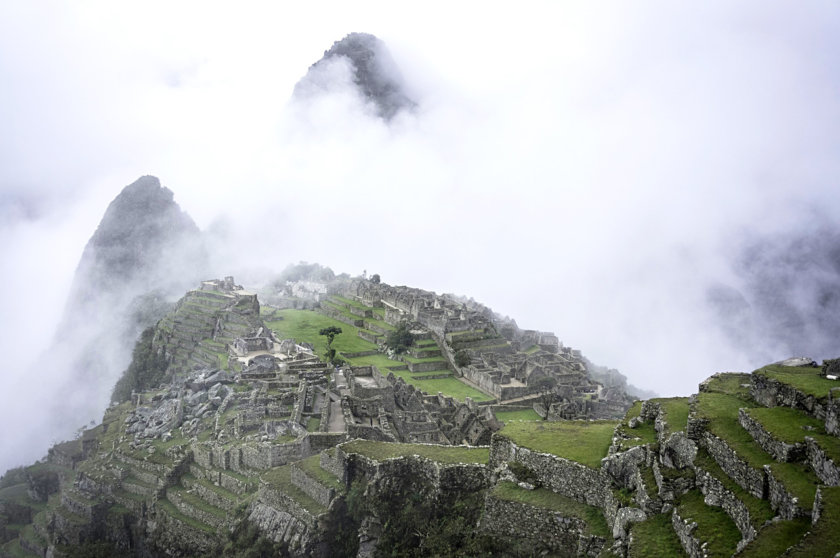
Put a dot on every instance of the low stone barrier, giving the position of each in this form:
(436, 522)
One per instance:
(783, 502)
(824, 467)
(717, 495)
(546, 528)
(748, 478)
(569, 478)
(779, 450)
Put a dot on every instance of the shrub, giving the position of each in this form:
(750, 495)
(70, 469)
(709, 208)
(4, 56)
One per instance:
(462, 358)
(400, 339)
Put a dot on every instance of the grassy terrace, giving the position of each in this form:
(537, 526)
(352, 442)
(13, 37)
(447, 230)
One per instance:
(655, 537)
(304, 325)
(675, 410)
(526, 414)
(806, 379)
(170, 510)
(546, 499)
(760, 510)
(380, 451)
(280, 478)
(824, 538)
(586, 442)
(311, 466)
(777, 537)
(791, 426)
(644, 433)
(723, 411)
(714, 526)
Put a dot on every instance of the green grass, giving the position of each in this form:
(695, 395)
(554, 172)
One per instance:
(381, 361)
(532, 349)
(586, 442)
(411, 359)
(546, 499)
(723, 411)
(759, 510)
(452, 387)
(714, 525)
(790, 426)
(312, 467)
(824, 538)
(380, 451)
(304, 325)
(806, 379)
(731, 383)
(777, 537)
(313, 424)
(655, 537)
(675, 410)
(644, 433)
(170, 509)
(351, 302)
(280, 478)
(526, 414)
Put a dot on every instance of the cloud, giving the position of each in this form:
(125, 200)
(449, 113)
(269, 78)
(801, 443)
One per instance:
(586, 171)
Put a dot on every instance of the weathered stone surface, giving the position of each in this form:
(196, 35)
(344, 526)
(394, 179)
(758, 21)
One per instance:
(717, 495)
(678, 451)
(824, 467)
(750, 479)
(561, 535)
(784, 503)
(779, 450)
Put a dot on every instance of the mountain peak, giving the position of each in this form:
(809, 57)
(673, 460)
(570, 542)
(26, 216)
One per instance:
(374, 73)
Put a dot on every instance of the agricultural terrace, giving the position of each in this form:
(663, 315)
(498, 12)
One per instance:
(380, 451)
(304, 325)
(546, 499)
(722, 411)
(806, 379)
(586, 442)
(524, 414)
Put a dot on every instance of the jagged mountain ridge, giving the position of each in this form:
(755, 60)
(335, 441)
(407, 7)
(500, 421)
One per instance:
(374, 74)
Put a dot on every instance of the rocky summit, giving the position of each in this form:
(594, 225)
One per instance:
(348, 417)
(373, 72)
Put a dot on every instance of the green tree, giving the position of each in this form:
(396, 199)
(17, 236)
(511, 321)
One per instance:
(147, 369)
(330, 333)
(462, 358)
(400, 339)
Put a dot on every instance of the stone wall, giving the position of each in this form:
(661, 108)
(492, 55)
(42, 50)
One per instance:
(717, 495)
(748, 478)
(771, 393)
(685, 532)
(569, 478)
(783, 502)
(824, 467)
(539, 528)
(779, 450)
(317, 491)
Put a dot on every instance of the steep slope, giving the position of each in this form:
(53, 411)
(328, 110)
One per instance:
(143, 254)
(371, 69)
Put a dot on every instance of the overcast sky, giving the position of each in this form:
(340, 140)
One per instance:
(586, 168)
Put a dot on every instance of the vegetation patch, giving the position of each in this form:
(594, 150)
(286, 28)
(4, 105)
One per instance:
(380, 451)
(759, 510)
(655, 537)
(305, 325)
(586, 442)
(312, 467)
(675, 411)
(525, 414)
(791, 426)
(280, 478)
(714, 526)
(807, 379)
(825, 533)
(313, 424)
(546, 499)
(777, 537)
